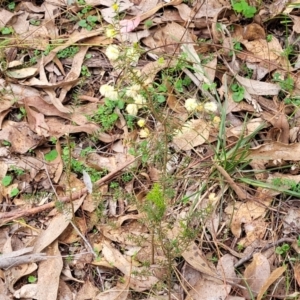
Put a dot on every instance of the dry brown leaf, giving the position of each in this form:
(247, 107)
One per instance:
(27, 291)
(261, 49)
(34, 37)
(74, 73)
(36, 122)
(21, 73)
(109, 14)
(253, 31)
(47, 286)
(20, 136)
(166, 39)
(12, 275)
(64, 291)
(49, 18)
(207, 290)
(56, 227)
(274, 276)
(192, 134)
(251, 126)
(275, 151)
(256, 274)
(194, 257)
(58, 128)
(226, 270)
(3, 291)
(150, 70)
(185, 12)
(87, 291)
(136, 282)
(291, 221)
(119, 292)
(255, 231)
(211, 8)
(255, 87)
(173, 102)
(296, 26)
(152, 11)
(297, 273)
(70, 235)
(244, 212)
(143, 6)
(17, 91)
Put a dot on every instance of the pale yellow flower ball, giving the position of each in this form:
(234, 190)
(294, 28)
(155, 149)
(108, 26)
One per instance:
(141, 122)
(106, 88)
(110, 32)
(210, 107)
(133, 55)
(216, 120)
(144, 133)
(132, 109)
(112, 52)
(140, 100)
(112, 95)
(190, 104)
(133, 90)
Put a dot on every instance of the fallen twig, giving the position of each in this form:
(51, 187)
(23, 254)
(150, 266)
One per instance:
(265, 248)
(10, 216)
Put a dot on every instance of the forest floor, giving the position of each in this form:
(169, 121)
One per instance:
(149, 149)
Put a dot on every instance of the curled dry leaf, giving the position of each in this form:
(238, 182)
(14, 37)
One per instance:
(272, 278)
(192, 134)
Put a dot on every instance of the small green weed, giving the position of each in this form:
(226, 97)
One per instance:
(240, 247)
(6, 143)
(148, 23)
(52, 155)
(14, 192)
(292, 101)
(68, 52)
(85, 71)
(283, 249)
(241, 6)
(286, 84)
(7, 30)
(89, 23)
(31, 279)
(237, 46)
(269, 38)
(238, 92)
(78, 166)
(35, 22)
(105, 114)
(17, 171)
(155, 205)
(6, 180)
(11, 5)
(142, 149)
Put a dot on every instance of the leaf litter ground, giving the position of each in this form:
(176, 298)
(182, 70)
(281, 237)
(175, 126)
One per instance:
(149, 150)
